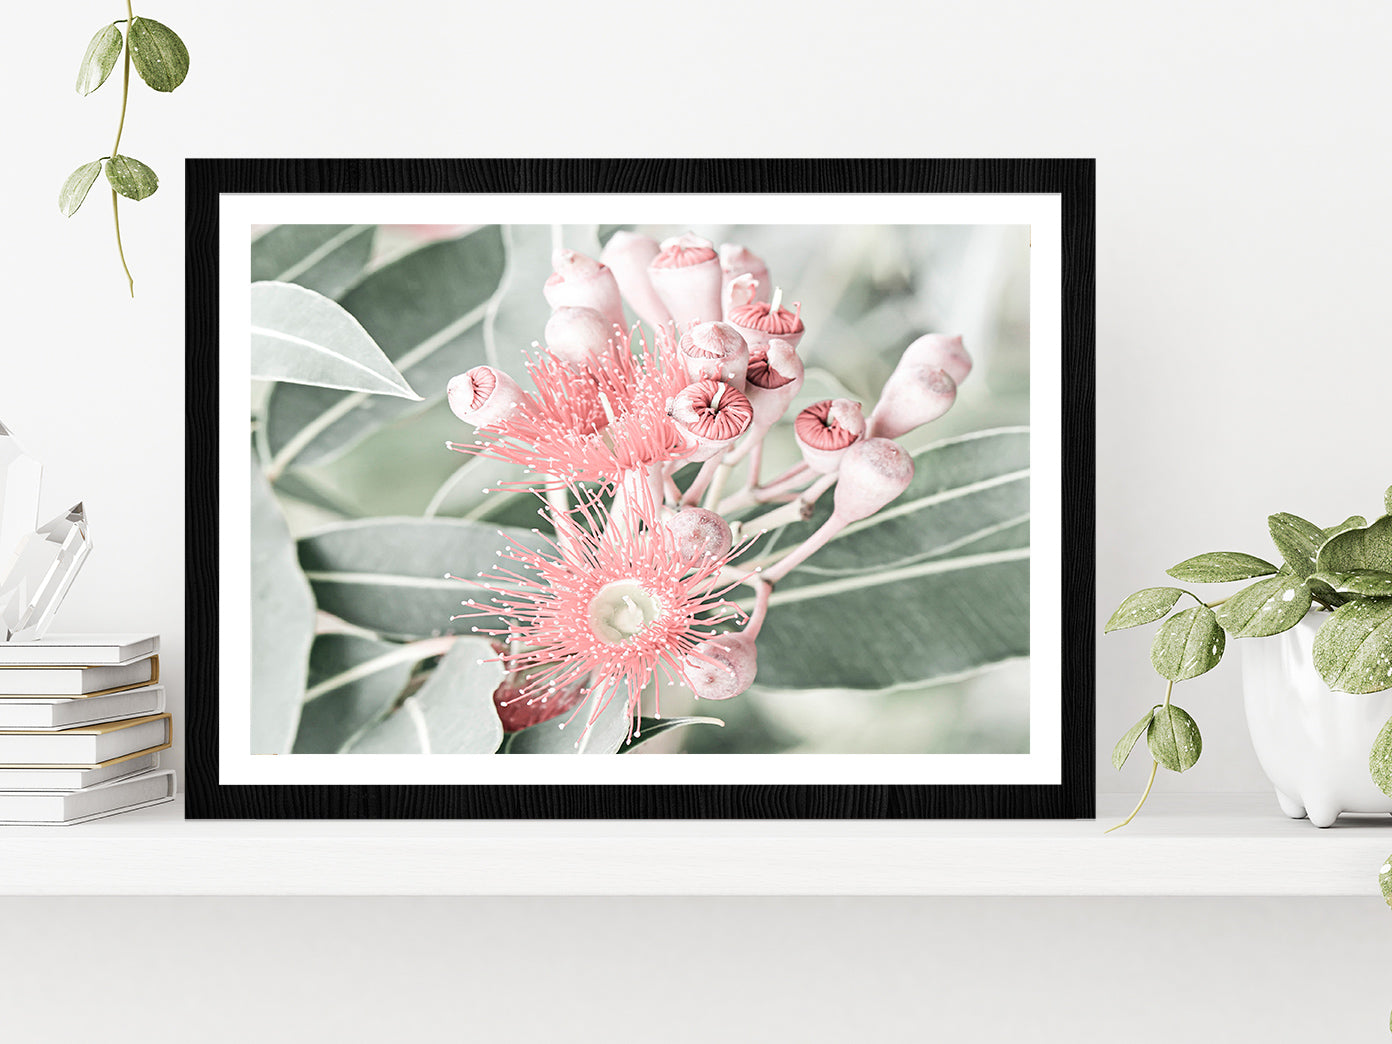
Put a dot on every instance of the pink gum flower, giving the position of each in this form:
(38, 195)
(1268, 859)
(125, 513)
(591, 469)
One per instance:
(740, 263)
(686, 275)
(485, 397)
(940, 352)
(584, 282)
(714, 351)
(713, 414)
(825, 430)
(628, 255)
(577, 335)
(772, 381)
(913, 395)
(699, 534)
(761, 321)
(517, 709)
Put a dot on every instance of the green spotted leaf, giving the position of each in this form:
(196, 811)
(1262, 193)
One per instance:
(1366, 583)
(1352, 522)
(1385, 879)
(1298, 541)
(1143, 607)
(1380, 765)
(1367, 547)
(1218, 567)
(1188, 644)
(1267, 607)
(1122, 750)
(99, 60)
(1173, 738)
(157, 53)
(1353, 649)
(130, 177)
(75, 189)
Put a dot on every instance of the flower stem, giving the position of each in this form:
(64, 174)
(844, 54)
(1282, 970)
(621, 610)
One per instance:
(1154, 767)
(120, 127)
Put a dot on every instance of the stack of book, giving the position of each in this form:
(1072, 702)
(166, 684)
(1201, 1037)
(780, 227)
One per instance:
(82, 723)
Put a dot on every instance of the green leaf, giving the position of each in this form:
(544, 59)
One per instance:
(1359, 548)
(1366, 583)
(651, 728)
(325, 258)
(1352, 522)
(1387, 500)
(1353, 649)
(453, 712)
(1385, 879)
(556, 737)
(934, 586)
(1188, 644)
(130, 177)
(1143, 607)
(298, 335)
(353, 682)
(1298, 541)
(1219, 567)
(1122, 750)
(426, 311)
(99, 60)
(1267, 607)
(75, 189)
(1173, 738)
(157, 53)
(388, 574)
(282, 625)
(1380, 764)
(1321, 590)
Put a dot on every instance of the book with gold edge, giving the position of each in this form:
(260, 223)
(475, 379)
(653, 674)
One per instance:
(89, 745)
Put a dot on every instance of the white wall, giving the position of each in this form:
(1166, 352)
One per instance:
(1243, 359)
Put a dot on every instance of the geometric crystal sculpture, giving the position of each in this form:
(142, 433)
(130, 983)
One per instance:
(40, 574)
(20, 475)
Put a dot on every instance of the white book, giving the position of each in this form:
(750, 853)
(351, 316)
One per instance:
(77, 681)
(49, 714)
(44, 777)
(86, 746)
(79, 650)
(63, 808)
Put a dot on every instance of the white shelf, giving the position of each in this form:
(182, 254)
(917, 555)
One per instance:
(1210, 845)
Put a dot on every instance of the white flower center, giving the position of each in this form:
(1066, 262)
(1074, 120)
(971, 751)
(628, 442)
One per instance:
(621, 609)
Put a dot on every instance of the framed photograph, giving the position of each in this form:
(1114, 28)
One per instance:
(721, 488)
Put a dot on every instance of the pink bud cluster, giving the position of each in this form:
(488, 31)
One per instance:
(634, 586)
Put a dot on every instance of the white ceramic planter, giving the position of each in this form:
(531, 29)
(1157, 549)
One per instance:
(1312, 742)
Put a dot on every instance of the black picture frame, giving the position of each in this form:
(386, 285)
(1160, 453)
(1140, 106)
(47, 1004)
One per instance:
(1072, 179)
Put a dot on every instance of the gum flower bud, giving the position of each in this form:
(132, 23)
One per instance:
(721, 667)
(825, 430)
(761, 321)
(577, 335)
(520, 709)
(583, 282)
(739, 265)
(940, 352)
(485, 397)
(913, 395)
(686, 275)
(699, 535)
(628, 255)
(873, 473)
(713, 415)
(773, 380)
(714, 351)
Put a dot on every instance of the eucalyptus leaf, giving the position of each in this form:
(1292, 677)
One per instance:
(388, 574)
(1124, 746)
(157, 53)
(425, 310)
(1352, 522)
(1380, 763)
(326, 258)
(566, 735)
(651, 728)
(353, 682)
(1265, 608)
(130, 177)
(1298, 541)
(100, 59)
(301, 336)
(1188, 644)
(1219, 567)
(453, 712)
(1366, 583)
(1173, 738)
(1143, 607)
(1353, 648)
(282, 625)
(76, 187)
(1367, 547)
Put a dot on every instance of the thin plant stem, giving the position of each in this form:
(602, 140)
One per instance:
(1154, 767)
(120, 127)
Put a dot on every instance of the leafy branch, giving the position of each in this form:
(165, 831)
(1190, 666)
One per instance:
(162, 61)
